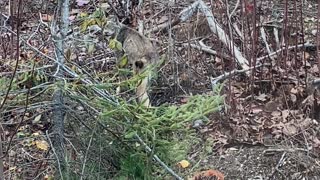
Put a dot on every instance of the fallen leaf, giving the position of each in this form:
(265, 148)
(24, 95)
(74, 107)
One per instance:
(42, 145)
(289, 129)
(82, 2)
(285, 114)
(36, 119)
(13, 168)
(48, 177)
(184, 163)
(293, 98)
(316, 142)
(262, 97)
(294, 91)
(306, 55)
(276, 114)
(256, 110)
(105, 6)
(36, 134)
(209, 174)
(83, 14)
(71, 18)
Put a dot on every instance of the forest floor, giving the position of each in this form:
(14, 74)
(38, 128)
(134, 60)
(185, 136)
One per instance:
(270, 126)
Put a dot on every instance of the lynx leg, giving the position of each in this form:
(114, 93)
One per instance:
(142, 88)
(142, 93)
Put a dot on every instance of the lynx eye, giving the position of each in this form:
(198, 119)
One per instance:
(139, 64)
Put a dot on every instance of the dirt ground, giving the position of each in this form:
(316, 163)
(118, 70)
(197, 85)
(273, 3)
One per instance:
(269, 129)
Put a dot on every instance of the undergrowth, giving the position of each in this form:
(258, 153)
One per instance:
(166, 129)
(114, 152)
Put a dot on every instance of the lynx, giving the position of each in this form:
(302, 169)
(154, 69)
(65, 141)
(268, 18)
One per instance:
(140, 53)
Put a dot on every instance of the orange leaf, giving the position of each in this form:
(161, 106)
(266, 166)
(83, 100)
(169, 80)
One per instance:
(209, 173)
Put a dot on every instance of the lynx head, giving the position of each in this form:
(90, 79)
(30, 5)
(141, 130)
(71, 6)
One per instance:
(112, 26)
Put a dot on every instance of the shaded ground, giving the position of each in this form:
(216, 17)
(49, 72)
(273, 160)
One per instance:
(270, 129)
(265, 163)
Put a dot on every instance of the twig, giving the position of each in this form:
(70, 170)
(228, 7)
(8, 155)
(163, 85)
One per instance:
(113, 8)
(54, 152)
(291, 150)
(183, 16)
(140, 21)
(276, 36)
(235, 8)
(157, 158)
(1, 151)
(201, 48)
(86, 155)
(307, 44)
(224, 76)
(217, 29)
(68, 70)
(280, 163)
(264, 38)
(24, 71)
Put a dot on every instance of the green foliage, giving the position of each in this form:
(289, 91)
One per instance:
(134, 166)
(165, 129)
(115, 44)
(4, 83)
(123, 61)
(96, 18)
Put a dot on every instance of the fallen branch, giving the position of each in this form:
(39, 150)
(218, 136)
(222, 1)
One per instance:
(216, 29)
(183, 16)
(264, 38)
(201, 48)
(274, 54)
(224, 76)
(206, 49)
(213, 25)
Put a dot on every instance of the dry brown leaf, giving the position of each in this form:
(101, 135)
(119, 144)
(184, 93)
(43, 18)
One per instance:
(306, 55)
(262, 97)
(316, 142)
(294, 91)
(272, 106)
(276, 113)
(285, 114)
(256, 110)
(42, 145)
(290, 129)
(209, 174)
(293, 98)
